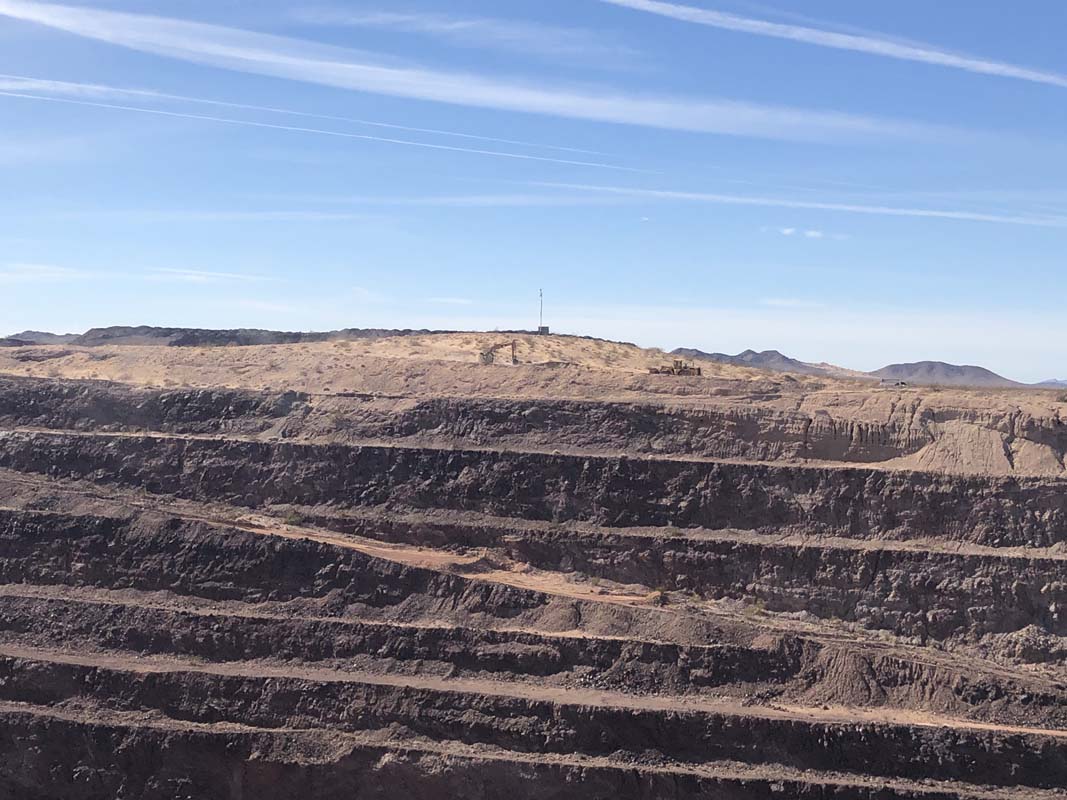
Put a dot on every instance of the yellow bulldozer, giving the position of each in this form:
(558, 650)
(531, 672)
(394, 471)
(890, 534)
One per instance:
(679, 367)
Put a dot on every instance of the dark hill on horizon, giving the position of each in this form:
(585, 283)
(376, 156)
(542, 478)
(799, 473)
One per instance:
(155, 336)
(938, 373)
(202, 337)
(42, 337)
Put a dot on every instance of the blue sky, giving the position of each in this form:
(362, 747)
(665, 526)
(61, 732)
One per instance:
(857, 183)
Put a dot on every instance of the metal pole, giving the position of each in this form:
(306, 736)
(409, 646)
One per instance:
(541, 316)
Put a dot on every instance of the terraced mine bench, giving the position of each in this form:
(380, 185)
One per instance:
(218, 595)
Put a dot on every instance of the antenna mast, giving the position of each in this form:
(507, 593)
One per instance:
(541, 329)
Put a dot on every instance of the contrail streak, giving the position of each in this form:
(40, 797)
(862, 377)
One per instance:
(873, 45)
(774, 202)
(319, 131)
(40, 84)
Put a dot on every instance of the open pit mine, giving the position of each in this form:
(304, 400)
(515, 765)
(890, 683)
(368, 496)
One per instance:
(392, 568)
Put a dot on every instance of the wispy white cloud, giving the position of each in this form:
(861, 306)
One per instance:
(875, 44)
(37, 273)
(204, 276)
(809, 233)
(789, 302)
(300, 60)
(21, 83)
(268, 305)
(210, 215)
(1038, 199)
(333, 213)
(17, 151)
(450, 301)
(463, 201)
(485, 32)
(498, 201)
(851, 208)
(311, 311)
(52, 273)
(361, 294)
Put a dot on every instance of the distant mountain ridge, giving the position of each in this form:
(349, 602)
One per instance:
(771, 360)
(920, 373)
(768, 359)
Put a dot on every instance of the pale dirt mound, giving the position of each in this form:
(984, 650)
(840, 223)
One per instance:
(449, 362)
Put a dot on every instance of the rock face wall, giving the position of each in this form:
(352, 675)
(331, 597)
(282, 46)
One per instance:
(511, 722)
(881, 586)
(200, 763)
(852, 502)
(942, 439)
(88, 405)
(638, 429)
(230, 567)
(227, 594)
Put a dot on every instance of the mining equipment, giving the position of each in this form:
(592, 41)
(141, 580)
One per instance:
(489, 356)
(679, 367)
